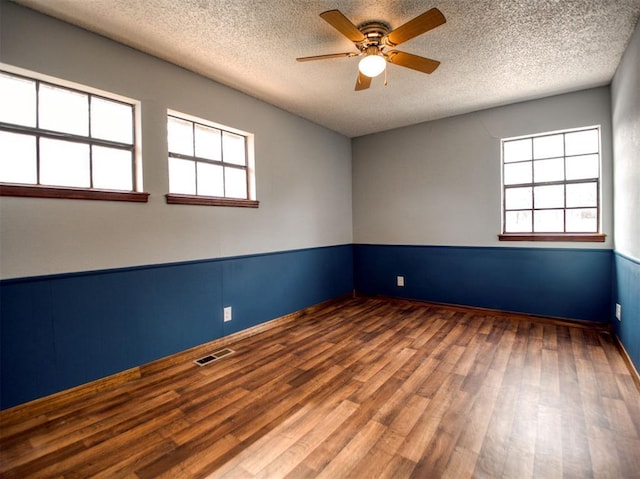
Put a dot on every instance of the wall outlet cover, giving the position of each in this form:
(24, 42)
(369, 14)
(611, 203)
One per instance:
(227, 314)
(618, 312)
(400, 281)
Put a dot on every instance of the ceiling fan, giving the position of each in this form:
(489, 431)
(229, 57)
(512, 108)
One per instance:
(372, 40)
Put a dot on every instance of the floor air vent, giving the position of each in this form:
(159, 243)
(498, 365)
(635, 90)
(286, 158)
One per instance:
(212, 357)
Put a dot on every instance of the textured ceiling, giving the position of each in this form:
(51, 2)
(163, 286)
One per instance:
(493, 52)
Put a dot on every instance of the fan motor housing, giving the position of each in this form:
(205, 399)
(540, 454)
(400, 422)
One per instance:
(373, 32)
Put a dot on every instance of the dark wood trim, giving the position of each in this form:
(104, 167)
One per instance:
(178, 199)
(37, 191)
(627, 360)
(570, 237)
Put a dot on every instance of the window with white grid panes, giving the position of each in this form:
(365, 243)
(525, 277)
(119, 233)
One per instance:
(551, 183)
(53, 136)
(210, 161)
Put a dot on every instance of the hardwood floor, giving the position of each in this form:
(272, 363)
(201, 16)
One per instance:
(360, 388)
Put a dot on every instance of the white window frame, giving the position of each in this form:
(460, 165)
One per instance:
(532, 235)
(250, 200)
(136, 194)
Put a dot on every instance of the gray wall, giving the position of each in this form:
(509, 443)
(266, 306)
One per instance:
(625, 93)
(438, 183)
(303, 171)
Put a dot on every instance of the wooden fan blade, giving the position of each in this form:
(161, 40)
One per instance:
(324, 57)
(363, 82)
(415, 62)
(337, 20)
(422, 23)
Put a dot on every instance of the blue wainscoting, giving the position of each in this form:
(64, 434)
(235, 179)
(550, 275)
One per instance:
(566, 283)
(60, 331)
(627, 295)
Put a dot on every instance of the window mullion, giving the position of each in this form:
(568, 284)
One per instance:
(237, 167)
(564, 208)
(246, 163)
(532, 208)
(134, 171)
(582, 180)
(90, 146)
(37, 159)
(564, 189)
(195, 163)
(224, 169)
(197, 158)
(58, 135)
(37, 104)
(598, 205)
(504, 189)
(533, 182)
(37, 136)
(224, 181)
(91, 167)
(195, 175)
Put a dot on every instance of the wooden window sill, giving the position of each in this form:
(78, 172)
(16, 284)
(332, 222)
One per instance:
(178, 199)
(575, 238)
(38, 191)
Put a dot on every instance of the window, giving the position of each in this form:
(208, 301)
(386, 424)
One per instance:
(209, 164)
(63, 142)
(551, 186)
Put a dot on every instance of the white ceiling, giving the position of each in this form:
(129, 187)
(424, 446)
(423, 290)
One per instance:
(492, 52)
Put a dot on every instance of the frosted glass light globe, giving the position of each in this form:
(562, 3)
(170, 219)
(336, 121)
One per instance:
(372, 65)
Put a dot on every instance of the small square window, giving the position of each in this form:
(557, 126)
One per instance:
(18, 158)
(182, 176)
(64, 163)
(63, 110)
(519, 150)
(210, 163)
(112, 168)
(18, 100)
(111, 120)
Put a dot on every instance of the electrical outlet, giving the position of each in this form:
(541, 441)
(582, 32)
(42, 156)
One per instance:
(400, 281)
(618, 312)
(227, 314)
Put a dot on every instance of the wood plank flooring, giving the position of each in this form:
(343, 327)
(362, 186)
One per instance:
(361, 388)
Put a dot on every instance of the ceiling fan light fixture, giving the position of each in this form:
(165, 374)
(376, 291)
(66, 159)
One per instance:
(372, 38)
(372, 65)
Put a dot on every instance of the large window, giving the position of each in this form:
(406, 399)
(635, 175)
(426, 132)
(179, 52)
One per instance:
(551, 186)
(61, 141)
(209, 164)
